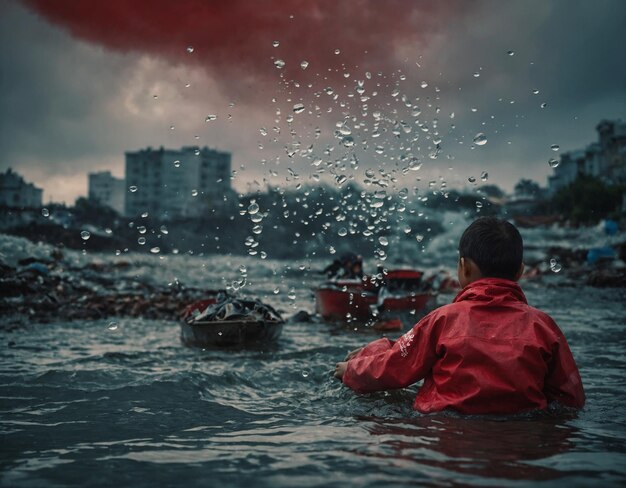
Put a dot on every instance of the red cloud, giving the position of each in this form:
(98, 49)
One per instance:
(233, 39)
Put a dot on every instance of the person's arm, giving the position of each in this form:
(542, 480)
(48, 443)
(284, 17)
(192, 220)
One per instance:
(374, 347)
(385, 365)
(563, 383)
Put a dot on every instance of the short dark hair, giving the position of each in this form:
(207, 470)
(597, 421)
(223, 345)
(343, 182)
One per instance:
(495, 245)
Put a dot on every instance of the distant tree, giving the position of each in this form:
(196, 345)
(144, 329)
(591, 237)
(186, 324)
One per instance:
(92, 212)
(491, 191)
(526, 187)
(587, 200)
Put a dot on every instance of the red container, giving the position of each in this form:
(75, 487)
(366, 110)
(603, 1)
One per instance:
(334, 303)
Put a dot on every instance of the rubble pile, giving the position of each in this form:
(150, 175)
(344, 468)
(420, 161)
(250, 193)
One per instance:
(35, 292)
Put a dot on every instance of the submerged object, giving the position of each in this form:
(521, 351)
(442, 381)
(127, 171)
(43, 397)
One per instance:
(226, 321)
(531, 221)
(600, 254)
(395, 299)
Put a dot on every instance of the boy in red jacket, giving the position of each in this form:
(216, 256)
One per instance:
(488, 352)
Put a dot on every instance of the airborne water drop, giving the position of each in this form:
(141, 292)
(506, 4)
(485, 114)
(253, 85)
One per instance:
(480, 139)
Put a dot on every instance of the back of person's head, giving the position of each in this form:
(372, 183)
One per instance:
(495, 246)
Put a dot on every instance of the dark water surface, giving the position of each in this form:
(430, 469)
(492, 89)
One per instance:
(83, 405)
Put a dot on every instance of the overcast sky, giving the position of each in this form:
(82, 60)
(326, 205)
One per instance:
(405, 82)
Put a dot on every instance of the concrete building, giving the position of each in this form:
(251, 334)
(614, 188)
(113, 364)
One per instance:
(16, 193)
(605, 159)
(108, 190)
(170, 183)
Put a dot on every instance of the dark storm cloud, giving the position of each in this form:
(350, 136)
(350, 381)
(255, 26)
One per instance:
(568, 51)
(51, 92)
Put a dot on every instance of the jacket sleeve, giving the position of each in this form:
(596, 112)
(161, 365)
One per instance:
(563, 383)
(386, 365)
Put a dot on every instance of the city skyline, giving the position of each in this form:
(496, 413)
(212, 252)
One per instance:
(84, 88)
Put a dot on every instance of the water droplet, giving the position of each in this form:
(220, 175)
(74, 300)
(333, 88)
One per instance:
(535, 92)
(155, 250)
(471, 179)
(479, 204)
(342, 232)
(553, 162)
(305, 374)
(298, 108)
(423, 84)
(343, 129)
(132, 188)
(383, 241)
(253, 208)
(243, 269)
(164, 230)
(210, 118)
(544, 105)
(555, 267)
(476, 74)
(45, 212)
(292, 294)
(304, 64)
(484, 176)
(337, 51)
(141, 229)
(419, 237)
(555, 147)
(177, 164)
(189, 49)
(414, 164)
(113, 326)
(257, 229)
(511, 53)
(480, 139)
(276, 291)
(279, 63)
(347, 141)
(85, 235)
(141, 241)
(275, 44)
(194, 193)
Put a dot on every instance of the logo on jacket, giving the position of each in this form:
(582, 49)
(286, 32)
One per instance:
(405, 341)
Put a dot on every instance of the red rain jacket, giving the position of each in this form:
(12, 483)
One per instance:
(488, 352)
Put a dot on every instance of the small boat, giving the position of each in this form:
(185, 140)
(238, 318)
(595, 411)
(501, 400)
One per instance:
(401, 297)
(225, 321)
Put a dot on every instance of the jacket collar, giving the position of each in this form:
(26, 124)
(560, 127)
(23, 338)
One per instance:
(492, 289)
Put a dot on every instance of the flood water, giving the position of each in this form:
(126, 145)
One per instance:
(83, 405)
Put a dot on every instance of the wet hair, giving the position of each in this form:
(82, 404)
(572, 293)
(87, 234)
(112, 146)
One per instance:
(495, 246)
